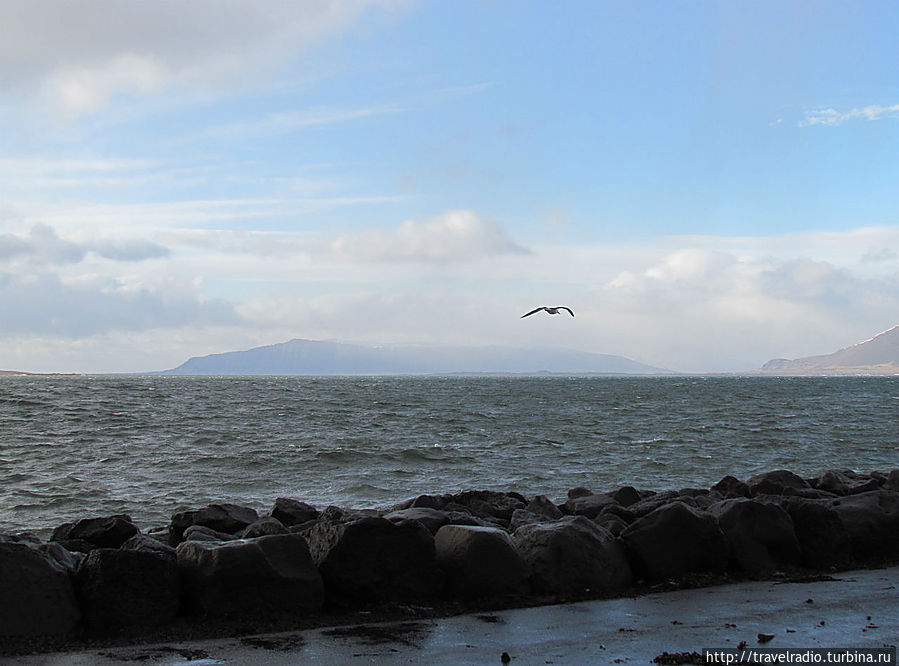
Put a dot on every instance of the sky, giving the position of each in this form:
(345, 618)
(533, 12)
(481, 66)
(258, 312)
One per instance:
(708, 185)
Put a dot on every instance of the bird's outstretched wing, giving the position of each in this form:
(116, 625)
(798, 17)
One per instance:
(530, 313)
(562, 307)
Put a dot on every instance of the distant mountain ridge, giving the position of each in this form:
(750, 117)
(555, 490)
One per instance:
(317, 357)
(877, 356)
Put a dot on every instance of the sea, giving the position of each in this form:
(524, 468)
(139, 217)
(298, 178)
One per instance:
(149, 446)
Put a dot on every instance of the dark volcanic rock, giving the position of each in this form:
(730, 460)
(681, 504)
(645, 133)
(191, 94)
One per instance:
(626, 495)
(489, 504)
(146, 543)
(892, 481)
(480, 561)
(729, 487)
(228, 518)
(674, 540)
(374, 559)
(611, 522)
(652, 502)
(544, 507)
(822, 537)
(524, 517)
(122, 588)
(587, 505)
(761, 535)
(267, 576)
(36, 593)
(68, 560)
(430, 501)
(620, 512)
(106, 532)
(201, 533)
(847, 482)
(778, 482)
(433, 519)
(872, 522)
(292, 512)
(572, 555)
(263, 527)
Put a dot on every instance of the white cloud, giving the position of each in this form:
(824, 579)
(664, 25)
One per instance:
(457, 235)
(829, 116)
(82, 54)
(43, 246)
(715, 310)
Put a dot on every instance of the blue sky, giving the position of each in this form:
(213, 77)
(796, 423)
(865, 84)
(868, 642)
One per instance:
(709, 185)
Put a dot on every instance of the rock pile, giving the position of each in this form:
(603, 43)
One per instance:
(101, 575)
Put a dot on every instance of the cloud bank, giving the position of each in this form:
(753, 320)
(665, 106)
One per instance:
(42, 245)
(457, 235)
(80, 55)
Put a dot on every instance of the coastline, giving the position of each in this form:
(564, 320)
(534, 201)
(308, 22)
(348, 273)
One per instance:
(855, 608)
(224, 570)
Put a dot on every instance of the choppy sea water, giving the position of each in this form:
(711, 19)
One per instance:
(73, 447)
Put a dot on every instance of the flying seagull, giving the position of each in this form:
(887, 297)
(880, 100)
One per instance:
(552, 311)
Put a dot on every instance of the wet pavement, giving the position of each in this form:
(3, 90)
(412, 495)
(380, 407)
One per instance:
(857, 609)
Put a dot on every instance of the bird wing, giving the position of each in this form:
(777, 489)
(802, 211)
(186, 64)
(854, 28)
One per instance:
(562, 307)
(530, 313)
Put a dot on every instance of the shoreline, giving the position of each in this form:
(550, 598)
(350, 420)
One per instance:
(857, 609)
(224, 570)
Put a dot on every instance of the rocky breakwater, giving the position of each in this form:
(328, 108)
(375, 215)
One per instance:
(99, 576)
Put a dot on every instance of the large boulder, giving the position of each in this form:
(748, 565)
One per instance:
(489, 504)
(149, 544)
(587, 505)
(674, 540)
(872, 521)
(572, 556)
(36, 593)
(88, 533)
(611, 522)
(892, 480)
(542, 506)
(823, 539)
(847, 482)
(480, 561)
(293, 512)
(730, 486)
(432, 519)
(761, 536)
(653, 501)
(202, 533)
(374, 559)
(263, 527)
(778, 482)
(128, 587)
(247, 578)
(227, 518)
(626, 495)
(524, 517)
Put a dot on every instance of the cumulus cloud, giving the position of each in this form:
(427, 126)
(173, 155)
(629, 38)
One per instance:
(702, 309)
(829, 116)
(457, 235)
(42, 304)
(706, 276)
(42, 245)
(82, 54)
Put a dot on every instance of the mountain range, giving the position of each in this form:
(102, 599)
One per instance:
(877, 356)
(317, 357)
